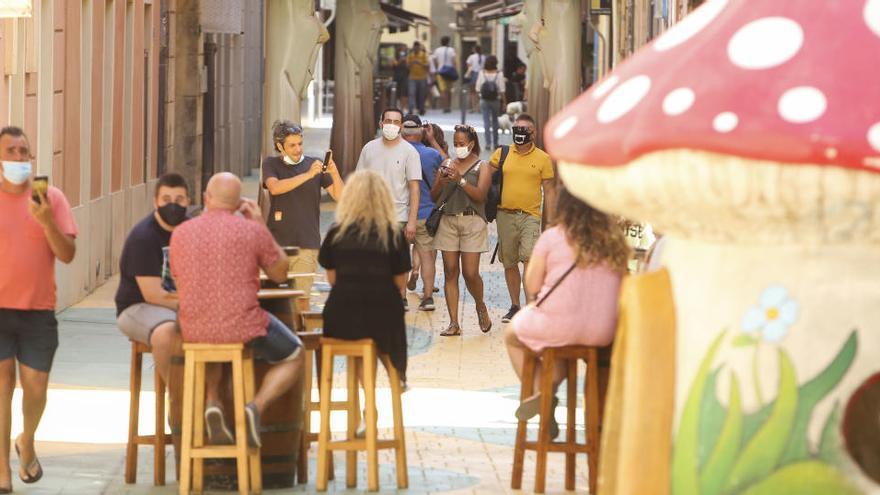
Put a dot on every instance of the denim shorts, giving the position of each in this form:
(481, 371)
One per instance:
(29, 335)
(278, 345)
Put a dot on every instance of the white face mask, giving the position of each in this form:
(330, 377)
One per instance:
(390, 131)
(462, 152)
(288, 160)
(17, 173)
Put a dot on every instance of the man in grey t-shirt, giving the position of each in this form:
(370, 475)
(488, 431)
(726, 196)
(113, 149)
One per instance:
(399, 164)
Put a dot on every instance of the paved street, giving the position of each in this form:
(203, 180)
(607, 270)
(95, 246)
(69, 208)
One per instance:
(458, 412)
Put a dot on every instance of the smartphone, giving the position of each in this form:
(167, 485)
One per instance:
(40, 185)
(327, 157)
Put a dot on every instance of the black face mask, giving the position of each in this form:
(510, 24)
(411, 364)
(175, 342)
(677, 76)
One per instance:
(173, 214)
(521, 135)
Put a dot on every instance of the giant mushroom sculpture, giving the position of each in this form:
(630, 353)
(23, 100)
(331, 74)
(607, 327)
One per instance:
(749, 133)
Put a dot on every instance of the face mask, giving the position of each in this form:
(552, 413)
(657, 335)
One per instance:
(390, 131)
(173, 214)
(290, 161)
(520, 137)
(462, 152)
(17, 173)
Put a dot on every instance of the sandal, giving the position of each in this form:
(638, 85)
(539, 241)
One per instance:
(30, 478)
(483, 317)
(452, 330)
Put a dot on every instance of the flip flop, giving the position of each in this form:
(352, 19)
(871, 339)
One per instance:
(31, 478)
(451, 331)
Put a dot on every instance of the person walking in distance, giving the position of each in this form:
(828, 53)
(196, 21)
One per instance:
(36, 228)
(417, 90)
(424, 243)
(446, 75)
(401, 78)
(398, 163)
(295, 181)
(474, 62)
(528, 191)
(461, 188)
(490, 84)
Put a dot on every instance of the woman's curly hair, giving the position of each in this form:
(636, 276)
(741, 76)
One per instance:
(596, 237)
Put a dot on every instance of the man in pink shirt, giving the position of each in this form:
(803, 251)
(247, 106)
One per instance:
(215, 261)
(32, 235)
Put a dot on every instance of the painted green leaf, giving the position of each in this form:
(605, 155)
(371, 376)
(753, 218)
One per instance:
(712, 415)
(811, 393)
(762, 453)
(685, 480)
(829, 443)
(715, 474)
(803, 478)
(743, 340)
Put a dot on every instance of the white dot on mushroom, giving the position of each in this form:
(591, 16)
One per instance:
(802, 104)
(725, 122)
(872, 15)
(678, 101)
(765, 43)
(565, 127)
(874, 136)
(605, 86)
(690, 25)
(623, 99)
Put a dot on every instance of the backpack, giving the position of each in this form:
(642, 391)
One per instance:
(489, 89)
(493, 197)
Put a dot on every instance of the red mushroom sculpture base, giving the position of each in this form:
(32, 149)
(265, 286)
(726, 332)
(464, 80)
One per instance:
(749, 134)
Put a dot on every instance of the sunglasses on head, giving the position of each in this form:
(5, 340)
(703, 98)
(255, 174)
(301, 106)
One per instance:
(294, 129)
(464, 127)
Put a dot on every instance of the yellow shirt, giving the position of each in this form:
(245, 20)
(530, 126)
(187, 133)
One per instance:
(417, 71)
(523, 174)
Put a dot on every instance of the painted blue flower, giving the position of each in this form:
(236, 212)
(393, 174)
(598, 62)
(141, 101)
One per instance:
(775, 312)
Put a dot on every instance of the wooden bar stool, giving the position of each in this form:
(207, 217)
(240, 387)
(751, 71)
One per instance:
(193, 449)
(158, 439)
(365, 349)
(592, 416)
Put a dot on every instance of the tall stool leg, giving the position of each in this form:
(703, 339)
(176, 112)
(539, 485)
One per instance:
(353, 415)
(370, 406)
(159, 436)
(519, 451)
(324, 433)
(131, 449)
(199, 427)
(302, 466)
(592, 416)
(186, 440)
(241, 436)
(571, 414)
(256, 471)
(547, 363)
(399, 431)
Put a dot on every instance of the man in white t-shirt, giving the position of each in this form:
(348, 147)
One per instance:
(444, 55)
(474, 63)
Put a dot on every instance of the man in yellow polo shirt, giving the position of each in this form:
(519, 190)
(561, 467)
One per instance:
(528, 185)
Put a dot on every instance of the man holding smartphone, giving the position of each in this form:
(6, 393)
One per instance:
(294, 182)
(32, 236)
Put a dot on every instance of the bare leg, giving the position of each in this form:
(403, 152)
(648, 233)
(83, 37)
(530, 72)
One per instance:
(277, 381)
(34, 385)
(165, 341)
(428, 260)
(516, 350)
(213, 377)
(450, 288)
(7, 387)
(470, 267)
(416, 264)
(514, 282)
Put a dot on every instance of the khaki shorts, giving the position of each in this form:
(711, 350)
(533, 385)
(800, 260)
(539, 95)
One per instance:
(465, 234)
(517, 234)
(138, 321)
(424, 242)
(304, 262)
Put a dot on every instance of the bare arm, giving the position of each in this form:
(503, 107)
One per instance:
(280, 186)
(63, 246)
(413, 209)
(151, 289)
(549, 186)
(277, 272)
(335, 189)
(535, 274)
(478, 193)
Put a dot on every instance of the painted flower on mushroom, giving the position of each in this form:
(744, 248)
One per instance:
(773, 315)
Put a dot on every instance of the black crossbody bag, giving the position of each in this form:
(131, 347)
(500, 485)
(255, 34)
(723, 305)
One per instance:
(432, 223)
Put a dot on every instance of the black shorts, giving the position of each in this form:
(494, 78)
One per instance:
(31, 336)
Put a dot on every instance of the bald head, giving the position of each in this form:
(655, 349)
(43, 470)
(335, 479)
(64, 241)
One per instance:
(223, 192)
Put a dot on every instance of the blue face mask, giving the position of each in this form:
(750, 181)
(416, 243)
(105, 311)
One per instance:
(17, 172)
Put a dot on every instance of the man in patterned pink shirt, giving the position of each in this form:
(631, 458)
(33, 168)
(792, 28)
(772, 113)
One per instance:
(215, 260)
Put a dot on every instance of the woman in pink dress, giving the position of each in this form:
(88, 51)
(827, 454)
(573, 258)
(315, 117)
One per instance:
(572, 284)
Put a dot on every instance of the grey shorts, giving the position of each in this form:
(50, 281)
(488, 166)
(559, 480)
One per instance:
(31, 336)
(138, 321)
(278, 345)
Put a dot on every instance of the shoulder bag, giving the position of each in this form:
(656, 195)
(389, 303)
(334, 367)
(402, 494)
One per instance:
(544, 298)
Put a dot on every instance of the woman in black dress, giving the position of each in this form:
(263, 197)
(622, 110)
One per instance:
(367, 259)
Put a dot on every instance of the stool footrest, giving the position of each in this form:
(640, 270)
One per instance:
(151, 439)
(360, 444)
(334, 406)
(217, 451)
(579, 448)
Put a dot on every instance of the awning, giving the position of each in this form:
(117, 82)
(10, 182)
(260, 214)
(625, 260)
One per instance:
(398, 17)
(497, 10)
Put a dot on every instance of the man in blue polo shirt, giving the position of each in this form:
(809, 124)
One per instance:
(425, 255)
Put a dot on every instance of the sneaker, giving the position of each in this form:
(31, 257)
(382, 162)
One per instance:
(509, 316)
(411, 283)
(218, 433)
(436, 290)
(427, 304)
(405, 304)
(252, 416)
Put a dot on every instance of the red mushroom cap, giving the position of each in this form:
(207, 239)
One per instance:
(794, 82)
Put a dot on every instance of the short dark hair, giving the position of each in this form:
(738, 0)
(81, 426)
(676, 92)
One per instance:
(471, 134)
(527, 118)
(283, 128)
(478, 49)
(13, 131)
(491, 63)
(391, 109)
(171, 179)
(444, 41)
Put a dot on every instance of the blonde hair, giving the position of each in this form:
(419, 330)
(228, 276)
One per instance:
(366, 207)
